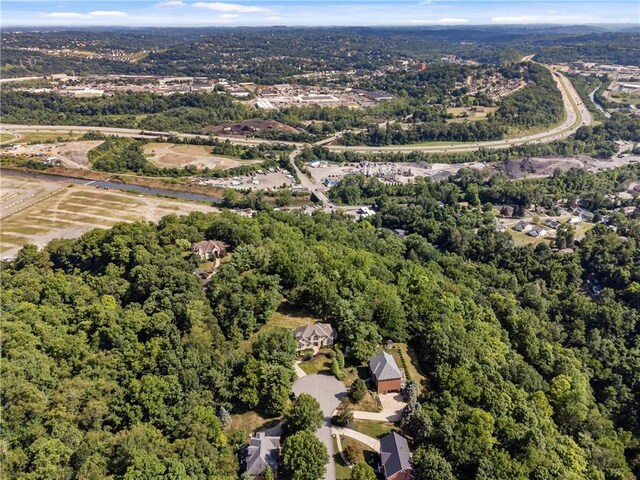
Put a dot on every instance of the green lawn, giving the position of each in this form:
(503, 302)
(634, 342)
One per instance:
(250, 422)
(38, 137)
(6, 137)
(372, 428)
(290, 317)
(286, 316)
(342, 471)
(414, 370)
(364, 452)
(319, 364)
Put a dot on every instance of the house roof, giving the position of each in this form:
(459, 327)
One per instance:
(208, 246)
(262, 451)
(318, 329)
(384, 367)
(394, 454)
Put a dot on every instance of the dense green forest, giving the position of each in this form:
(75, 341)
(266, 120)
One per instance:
(538, 103)
(118, 363)
(598, 141)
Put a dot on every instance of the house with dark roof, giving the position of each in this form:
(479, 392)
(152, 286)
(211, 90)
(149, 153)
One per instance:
(209, 249)
(317, 335)
(385, 373)
(395, 458)
(262, 453)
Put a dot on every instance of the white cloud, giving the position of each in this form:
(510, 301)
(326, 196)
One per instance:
(172, 3)
(442, 21)
(228, 15)
(520, 19)
(64, 15)
(274, 17)
(228, 7)
(95, 14)
(107, 13)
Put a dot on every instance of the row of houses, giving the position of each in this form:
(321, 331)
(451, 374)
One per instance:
(395, 457)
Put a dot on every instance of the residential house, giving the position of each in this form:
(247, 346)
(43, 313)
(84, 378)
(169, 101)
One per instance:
(365, 212)
(395, 458)
(385, 373)
(317, 335)
(209, 249)
(329, 183)
(573, 220)
(551, 223)
(262, 453)
(501, 227)
(507, 211)
(583, 214)
(523, 226)
(537, 231)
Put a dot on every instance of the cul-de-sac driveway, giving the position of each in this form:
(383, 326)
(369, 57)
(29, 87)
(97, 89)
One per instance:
(328, 391)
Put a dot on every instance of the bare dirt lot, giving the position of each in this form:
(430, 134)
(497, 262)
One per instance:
(69, 154)
(545, 167)
(268, 180)
(171, 155)
(399, 172)
(37, 211)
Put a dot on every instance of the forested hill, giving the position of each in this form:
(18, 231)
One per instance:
(116, 361)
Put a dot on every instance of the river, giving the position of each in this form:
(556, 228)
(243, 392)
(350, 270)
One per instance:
(593, 100)
(194, 197)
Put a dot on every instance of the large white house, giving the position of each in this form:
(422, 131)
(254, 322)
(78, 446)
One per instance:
(317, 335)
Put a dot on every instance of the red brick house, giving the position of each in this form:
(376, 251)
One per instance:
(386, 375)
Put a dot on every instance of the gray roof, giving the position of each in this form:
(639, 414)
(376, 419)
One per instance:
(394, 454)
(318, 329)
(384, 367)
(262, 451)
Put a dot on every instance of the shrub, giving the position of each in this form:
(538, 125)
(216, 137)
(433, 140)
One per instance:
(357, 391)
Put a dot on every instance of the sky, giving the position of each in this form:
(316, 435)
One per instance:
(186, 13)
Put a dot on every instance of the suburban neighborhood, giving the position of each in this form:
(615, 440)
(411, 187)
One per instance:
(345, 431)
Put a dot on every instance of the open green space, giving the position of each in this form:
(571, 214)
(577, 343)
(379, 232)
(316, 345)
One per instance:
(373, 429)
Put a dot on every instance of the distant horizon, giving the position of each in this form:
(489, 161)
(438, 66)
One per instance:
(613, 26)
(316, 13)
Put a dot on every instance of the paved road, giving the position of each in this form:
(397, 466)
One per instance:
(306, 181)
(127, 132)
(328, 391)
(577, 115)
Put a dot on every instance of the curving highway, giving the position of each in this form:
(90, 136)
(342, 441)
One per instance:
(577, 115)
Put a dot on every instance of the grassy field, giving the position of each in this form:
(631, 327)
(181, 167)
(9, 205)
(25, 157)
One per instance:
(287, 317)
(522, 238)
(414, 370)
(39, 137)
(319, 364)
(249, 422)
(342, 471)
(36, 211)
(364, 452)
(6, 137)
(625, 97)
(367, 404)
(373, 429)
(472, 115)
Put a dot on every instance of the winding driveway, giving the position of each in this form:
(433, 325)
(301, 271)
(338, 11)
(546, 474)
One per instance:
(328, 391)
